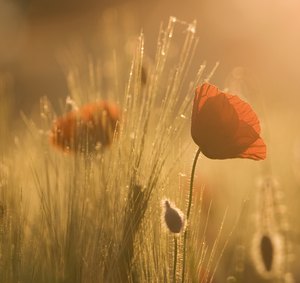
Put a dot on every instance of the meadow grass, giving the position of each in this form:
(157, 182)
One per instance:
(97, 217)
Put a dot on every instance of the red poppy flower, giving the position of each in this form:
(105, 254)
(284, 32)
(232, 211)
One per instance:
(85, 129)
(224, 126)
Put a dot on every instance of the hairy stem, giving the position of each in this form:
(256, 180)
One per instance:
(188, 212)
(175, 259)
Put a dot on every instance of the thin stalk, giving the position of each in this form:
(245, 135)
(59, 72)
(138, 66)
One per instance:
(175, 259)
(188, 212)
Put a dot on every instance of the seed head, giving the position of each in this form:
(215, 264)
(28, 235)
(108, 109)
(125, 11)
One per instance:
(173, 217)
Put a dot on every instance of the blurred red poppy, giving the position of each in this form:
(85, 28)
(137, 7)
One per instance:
(86, 129)
(224, 126)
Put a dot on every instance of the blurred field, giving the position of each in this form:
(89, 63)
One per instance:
(63, 218)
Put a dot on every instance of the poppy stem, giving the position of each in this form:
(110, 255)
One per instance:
(175, 259)
(191, 184)
(189, 211)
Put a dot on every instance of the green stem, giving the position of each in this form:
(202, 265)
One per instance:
(188, 212)
(175, 259)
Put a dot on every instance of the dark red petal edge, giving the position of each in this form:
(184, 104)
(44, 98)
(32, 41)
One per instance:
(256, 151)
(244, 111)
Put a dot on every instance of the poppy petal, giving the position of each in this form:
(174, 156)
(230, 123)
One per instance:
(84, 129)
(214, 126)
(256, 151)
(224, 126)
(244, 111)
(203, 92)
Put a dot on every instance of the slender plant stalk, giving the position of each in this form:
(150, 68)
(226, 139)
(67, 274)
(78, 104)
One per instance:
(188, 212)
(175, 259)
